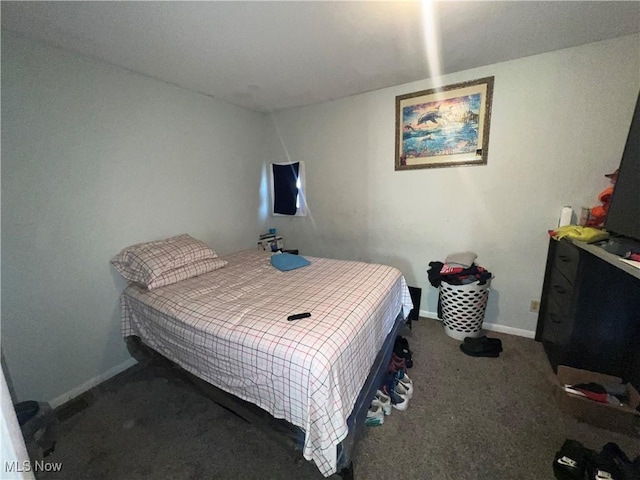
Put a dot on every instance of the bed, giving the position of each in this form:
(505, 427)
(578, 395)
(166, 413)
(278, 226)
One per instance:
(229, 328)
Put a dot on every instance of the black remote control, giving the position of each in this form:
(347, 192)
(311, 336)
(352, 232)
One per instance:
(298, 316)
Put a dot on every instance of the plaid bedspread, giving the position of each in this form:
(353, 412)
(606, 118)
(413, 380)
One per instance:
(229, 327)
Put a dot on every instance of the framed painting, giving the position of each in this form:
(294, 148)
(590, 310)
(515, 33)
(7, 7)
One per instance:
(444, 127)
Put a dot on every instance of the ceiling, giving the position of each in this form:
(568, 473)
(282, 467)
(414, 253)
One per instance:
(268, 56)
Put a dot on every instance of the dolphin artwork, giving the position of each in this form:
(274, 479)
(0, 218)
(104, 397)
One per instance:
(431, 116)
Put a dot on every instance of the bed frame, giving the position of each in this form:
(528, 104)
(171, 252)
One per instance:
(280, 430)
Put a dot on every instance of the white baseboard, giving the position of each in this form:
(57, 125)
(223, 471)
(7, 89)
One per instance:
(492, 327)
(519, 332)
(89, 384)
(427, 314)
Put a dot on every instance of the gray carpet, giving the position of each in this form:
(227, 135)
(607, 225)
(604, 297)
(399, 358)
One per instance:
(470, 418)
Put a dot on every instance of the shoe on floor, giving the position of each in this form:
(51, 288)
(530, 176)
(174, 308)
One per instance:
(481, 341)
(571, 461)
(401, 390)
(401, 349)
(484, 348)
(375, 415)
(384, 401)
(398, 401)
(406, 382)
(403, 393)
(613, 458)
(396, 364)
(392, 387)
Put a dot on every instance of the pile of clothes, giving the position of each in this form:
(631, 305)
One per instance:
(457, 269)
(615, 394)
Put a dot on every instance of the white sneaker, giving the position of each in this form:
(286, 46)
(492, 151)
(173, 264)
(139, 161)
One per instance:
(399, 399)
(402, 391)
(384, 401)
(407, 383)
(375, 415)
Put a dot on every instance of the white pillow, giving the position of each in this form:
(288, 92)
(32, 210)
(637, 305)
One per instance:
(163, 262)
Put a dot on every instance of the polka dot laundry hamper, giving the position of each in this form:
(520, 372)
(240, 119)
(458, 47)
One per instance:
(463, 308)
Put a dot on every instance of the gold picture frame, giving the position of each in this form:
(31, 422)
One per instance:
(444, 127)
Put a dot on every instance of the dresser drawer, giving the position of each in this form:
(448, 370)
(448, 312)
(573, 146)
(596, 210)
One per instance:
(558, 327)
(566, 259)
(560, 289)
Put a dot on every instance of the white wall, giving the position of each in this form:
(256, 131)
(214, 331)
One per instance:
(559, 123)
(95, 158)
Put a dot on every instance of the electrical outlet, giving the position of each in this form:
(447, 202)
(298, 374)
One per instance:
(534, 306)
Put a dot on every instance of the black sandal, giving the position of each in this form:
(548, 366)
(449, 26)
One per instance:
(494, 342)
(481, 347)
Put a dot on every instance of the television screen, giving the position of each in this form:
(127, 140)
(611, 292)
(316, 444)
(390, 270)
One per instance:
(623, 217)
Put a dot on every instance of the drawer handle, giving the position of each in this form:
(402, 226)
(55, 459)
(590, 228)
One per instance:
(554, 318)
(559, 289)
(564, 258)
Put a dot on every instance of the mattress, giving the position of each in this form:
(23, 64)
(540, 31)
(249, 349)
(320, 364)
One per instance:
(229, 327)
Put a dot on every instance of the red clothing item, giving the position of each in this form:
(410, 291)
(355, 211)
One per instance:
(593, 391)
(447, 270)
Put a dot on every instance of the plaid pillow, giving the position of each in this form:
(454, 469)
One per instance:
(158, 263)
(188, 271)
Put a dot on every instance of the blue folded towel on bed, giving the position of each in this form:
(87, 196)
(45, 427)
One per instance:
(288, 261)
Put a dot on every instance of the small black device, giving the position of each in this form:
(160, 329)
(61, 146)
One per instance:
(298, 316)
